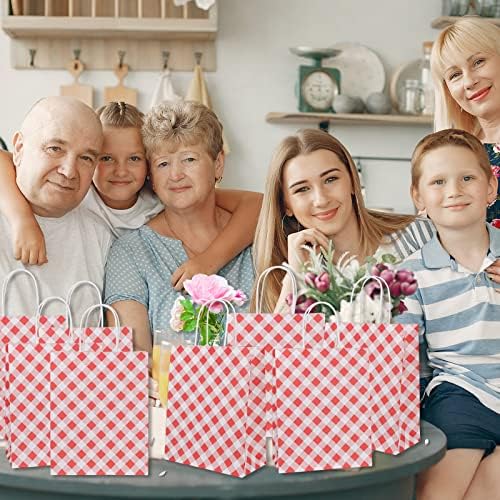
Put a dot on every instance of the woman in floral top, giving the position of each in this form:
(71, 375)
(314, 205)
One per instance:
(465, 65)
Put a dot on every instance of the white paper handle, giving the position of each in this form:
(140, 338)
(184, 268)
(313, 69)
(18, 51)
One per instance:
(307, 314)
(42, 305)
(229, 308)
(383, 284)
(6, 282)
(262, 279)
(78, 284)
(85, 317)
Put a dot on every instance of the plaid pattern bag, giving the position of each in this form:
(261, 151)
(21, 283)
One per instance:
(99, 409)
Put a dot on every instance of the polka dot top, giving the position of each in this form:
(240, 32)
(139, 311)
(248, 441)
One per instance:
(140, 265)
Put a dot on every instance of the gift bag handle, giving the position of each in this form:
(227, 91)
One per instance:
(8, 279)
(85, 317)
(307, 314)
(383, 284)
(262, 279)
(78, 284)
(227, 305)
(44, 302)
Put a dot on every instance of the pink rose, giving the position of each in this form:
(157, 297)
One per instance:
(239, 298)
(205, 289)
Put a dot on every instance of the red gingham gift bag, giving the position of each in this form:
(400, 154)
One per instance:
(13, 328)
(27, 393)
(99, 411)
(323, 409)
(273, 330)
(216, 411)
(394, 356)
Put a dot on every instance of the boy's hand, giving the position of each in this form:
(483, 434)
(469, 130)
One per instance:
(494, 273)
(29, 243)
(196, 265)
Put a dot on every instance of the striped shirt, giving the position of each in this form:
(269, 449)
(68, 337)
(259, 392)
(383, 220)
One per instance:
(405, 242)
(459, 316)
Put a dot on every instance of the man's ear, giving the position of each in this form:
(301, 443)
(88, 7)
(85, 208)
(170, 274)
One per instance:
(219, 165)
(17, 153)
(417, 200)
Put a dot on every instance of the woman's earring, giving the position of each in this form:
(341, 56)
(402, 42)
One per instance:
(218, 180)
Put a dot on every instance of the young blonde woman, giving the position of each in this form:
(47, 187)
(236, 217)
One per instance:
(313, 194)
(465, 64)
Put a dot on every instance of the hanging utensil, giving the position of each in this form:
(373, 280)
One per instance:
(120, 92)
(82, 92)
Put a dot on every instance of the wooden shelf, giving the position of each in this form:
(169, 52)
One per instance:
(444, 21)
(348, 119)
(142, 29)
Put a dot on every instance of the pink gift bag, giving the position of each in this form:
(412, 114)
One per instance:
(99, 410)
(274, 330)
(323, 418)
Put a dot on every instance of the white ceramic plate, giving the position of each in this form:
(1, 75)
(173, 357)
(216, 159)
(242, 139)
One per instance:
(361, 70)
(407, 71)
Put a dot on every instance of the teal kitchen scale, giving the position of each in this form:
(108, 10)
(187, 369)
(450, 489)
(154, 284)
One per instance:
(316, 85)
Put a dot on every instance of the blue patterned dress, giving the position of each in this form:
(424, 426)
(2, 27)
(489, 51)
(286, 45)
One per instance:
(493, 214)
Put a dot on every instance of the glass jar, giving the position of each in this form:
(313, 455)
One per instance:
(411, 98)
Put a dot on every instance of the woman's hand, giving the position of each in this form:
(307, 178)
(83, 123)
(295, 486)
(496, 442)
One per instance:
(494, 272)
(195, 265)
(298, 255)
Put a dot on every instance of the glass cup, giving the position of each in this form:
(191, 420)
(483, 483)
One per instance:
(163, 371)
(159, 336)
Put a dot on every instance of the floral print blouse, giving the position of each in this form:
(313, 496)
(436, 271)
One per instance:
(493, 214)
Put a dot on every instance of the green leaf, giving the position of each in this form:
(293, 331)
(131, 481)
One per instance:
(188, 305)
(187, 316)
(189, 326)
(388, 258)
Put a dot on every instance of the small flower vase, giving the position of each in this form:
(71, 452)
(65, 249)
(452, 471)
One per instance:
(364, 309)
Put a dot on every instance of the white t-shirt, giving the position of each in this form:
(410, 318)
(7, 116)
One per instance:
(120, 221)
(77, 246)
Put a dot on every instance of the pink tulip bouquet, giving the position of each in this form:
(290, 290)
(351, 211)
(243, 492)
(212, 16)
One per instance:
(201, 307)
(344, 287)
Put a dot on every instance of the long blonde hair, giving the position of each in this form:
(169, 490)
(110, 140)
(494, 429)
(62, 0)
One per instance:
(467, 36)
(270, 244)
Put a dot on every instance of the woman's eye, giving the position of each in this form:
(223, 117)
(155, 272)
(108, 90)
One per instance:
(162, 164)
(454, 76)
(329, 180)
(189, 159)
(479, 61)
(302, 189)
(438, 182)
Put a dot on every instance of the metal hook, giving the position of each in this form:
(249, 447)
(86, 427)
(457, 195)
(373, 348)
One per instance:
(32, 57)
(121, 57)
(76, 55)
(165, 54)
(197, 57)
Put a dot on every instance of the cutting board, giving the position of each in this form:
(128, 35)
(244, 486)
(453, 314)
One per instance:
(120, 92)
(82, 92)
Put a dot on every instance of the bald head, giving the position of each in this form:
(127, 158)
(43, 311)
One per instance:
(55, 153)
(60, 107)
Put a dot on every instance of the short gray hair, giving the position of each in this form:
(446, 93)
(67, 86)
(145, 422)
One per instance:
(182, 122)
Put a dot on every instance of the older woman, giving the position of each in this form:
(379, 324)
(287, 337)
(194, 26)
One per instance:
(465, 64)
(183, 143)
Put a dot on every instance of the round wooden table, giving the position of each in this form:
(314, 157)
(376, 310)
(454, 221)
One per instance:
(391, 477)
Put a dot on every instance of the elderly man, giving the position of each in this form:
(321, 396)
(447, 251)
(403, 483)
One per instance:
(55, 154)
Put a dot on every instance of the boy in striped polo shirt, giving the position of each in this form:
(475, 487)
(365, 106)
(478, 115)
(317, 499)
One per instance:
(458, 308)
